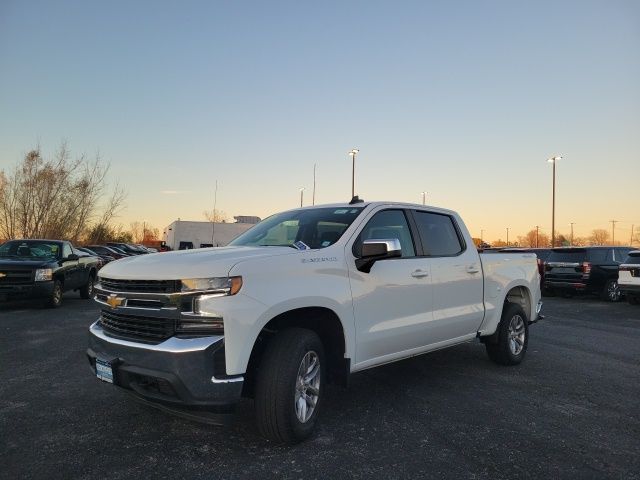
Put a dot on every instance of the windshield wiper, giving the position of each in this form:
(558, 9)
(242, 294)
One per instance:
(281, 245)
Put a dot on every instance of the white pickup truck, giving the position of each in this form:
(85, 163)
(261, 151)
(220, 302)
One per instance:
(305, 297)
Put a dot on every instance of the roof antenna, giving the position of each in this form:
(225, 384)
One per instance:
(355, 200)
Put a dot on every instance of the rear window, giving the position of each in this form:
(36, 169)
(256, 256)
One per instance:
(599, 255)
(568, 256)
(633, 258)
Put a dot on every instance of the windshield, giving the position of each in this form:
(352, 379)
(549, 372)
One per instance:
(309, 228)
(30, 249)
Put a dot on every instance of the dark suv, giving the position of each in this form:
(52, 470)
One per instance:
(585, 269)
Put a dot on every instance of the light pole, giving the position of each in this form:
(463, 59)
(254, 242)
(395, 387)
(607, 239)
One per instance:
(537, 232)
(301, 195)
(424, 196)
(481, 236)
(572, 224)
(313, 199)
(507, 236)
(553, 201)
(613, 231)
(353, 154)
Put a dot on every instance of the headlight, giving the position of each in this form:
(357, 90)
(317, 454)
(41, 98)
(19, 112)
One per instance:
(224, 285)
(43, 274)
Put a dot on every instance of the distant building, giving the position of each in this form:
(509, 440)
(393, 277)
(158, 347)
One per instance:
(183, 235)
(247, 219)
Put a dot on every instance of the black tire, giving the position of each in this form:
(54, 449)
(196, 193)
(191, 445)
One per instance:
(86, 291)
(277, 385)
(500, 348)
(611, 291)
(55, 299)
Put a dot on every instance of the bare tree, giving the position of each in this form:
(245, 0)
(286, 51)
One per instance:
(533, 239)
(55, 198)
(215, 216)
(599, 236)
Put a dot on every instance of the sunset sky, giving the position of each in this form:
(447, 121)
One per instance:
(465, 100)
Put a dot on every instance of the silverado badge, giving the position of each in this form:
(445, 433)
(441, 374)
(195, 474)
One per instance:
(115, 302)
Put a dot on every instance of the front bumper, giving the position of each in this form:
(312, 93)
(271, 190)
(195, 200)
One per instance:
(31, 290)
(179, 373)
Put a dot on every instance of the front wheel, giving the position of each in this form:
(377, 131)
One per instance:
(55, 298)
(86, 291)
(611, 291)
(512, 337)
(289, 386)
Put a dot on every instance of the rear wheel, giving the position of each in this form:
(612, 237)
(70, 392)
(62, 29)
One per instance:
(611, 291)
(512, 337)
(289, 385)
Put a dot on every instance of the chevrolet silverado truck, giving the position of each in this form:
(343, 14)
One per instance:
(45, 269)
(305, 297)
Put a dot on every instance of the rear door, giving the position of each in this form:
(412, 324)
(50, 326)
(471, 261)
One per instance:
(565, 265)
(456, 276)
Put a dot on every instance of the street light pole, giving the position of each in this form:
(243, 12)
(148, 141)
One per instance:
(481, 236)
(613, 231)
(313, 199)
(424, 196)
(353, 154)
(301, 195)
(553, 160)
(537, 232)
(507, 236)
(572, 224)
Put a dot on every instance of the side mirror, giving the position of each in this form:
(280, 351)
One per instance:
(73, 256)
(377, 249)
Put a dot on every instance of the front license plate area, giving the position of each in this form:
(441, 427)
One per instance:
(104, 370)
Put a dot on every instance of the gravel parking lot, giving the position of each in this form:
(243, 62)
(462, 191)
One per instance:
(569, 411)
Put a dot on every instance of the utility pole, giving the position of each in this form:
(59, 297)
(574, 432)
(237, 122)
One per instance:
(213, 219)
(301, 196)
(313, 198)
(631, 241)
(613, 231)
(507, 236)
(572, 224)
(481, 236)
(537, 232)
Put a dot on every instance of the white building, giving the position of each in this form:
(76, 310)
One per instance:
(182, 235)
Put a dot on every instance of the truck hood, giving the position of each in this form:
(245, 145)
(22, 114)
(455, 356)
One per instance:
(21, 263)
(197, 263)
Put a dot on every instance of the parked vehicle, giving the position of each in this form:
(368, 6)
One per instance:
(307, 296)
(127, 248)
(44, 269)
(109, 251)
(629, 277)
(570, 270)
(102, 259)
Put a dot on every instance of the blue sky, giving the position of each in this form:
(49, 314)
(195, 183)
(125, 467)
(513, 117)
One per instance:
(465, 100)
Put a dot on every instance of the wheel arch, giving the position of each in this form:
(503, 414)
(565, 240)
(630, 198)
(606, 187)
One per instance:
(321, 320)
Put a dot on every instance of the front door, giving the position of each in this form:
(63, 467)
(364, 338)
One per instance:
(393, 302)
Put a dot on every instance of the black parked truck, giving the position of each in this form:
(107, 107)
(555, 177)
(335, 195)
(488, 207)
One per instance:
(593, 270)
(44, 270)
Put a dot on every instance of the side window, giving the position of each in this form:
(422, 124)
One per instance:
(66, 250)
(438, 234)
(385, 225)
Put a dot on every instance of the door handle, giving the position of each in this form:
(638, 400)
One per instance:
(472, 269)
(419, 273)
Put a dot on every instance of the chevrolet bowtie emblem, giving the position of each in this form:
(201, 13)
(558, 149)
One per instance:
(2, 275)
(115, 302)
